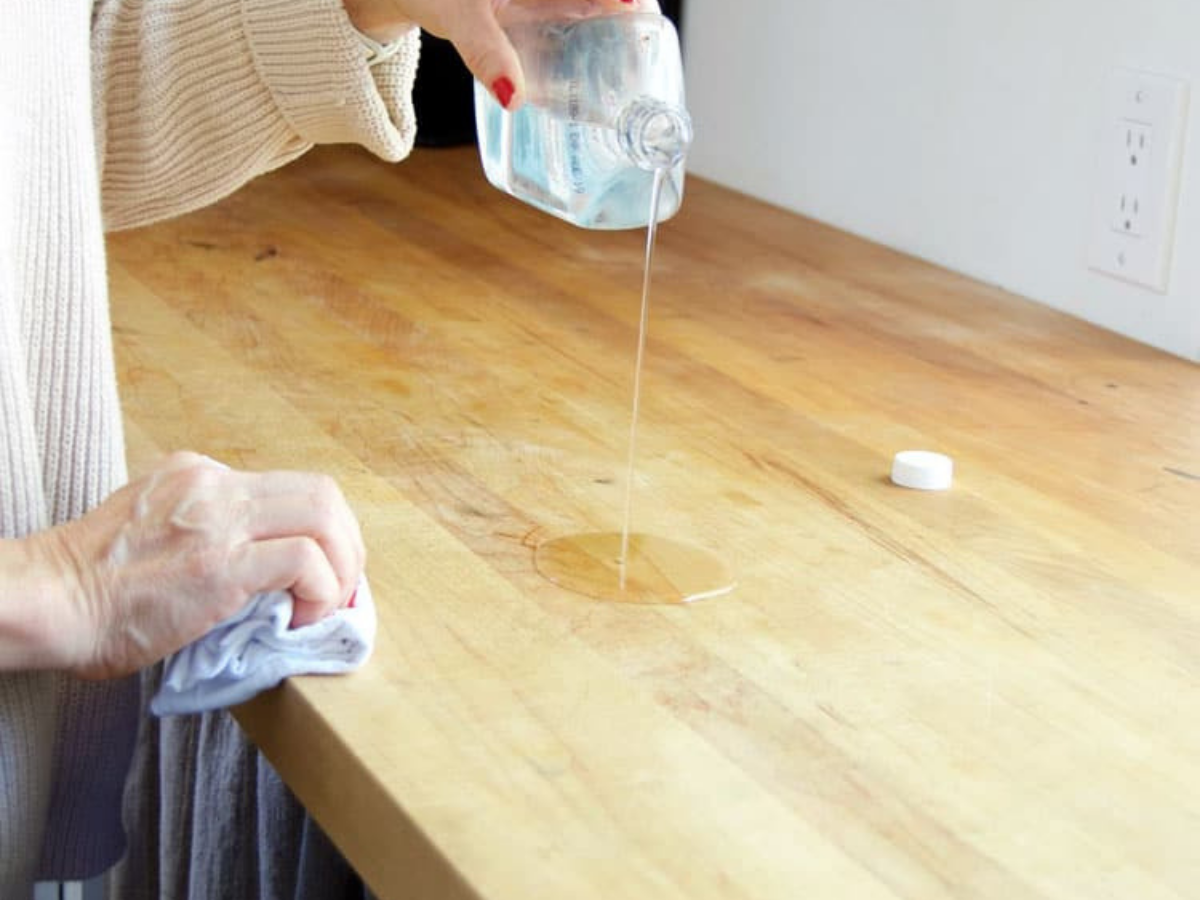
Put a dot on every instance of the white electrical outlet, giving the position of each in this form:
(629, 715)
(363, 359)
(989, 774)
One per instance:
(1129, 188)
(1137, 181)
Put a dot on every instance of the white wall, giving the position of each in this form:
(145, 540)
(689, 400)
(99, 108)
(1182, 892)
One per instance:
(962, 131)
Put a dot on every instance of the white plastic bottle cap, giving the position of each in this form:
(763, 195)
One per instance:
(923, 470)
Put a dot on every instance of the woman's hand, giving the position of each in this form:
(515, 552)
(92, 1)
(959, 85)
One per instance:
(172, 554)
(475, 29)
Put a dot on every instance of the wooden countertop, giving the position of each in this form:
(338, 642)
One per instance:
(988, 693)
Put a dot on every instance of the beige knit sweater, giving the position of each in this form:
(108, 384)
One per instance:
(115, 113)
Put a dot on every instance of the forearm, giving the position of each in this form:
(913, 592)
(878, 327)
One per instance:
(32, 585)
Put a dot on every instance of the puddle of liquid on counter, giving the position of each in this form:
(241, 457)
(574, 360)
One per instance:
(624, 566)
(655, 569)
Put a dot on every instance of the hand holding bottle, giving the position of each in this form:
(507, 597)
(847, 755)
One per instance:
(475, 28)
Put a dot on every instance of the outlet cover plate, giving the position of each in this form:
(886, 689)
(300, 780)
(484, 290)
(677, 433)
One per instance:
(1138, 176)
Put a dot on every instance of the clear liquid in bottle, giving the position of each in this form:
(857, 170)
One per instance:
(604, 111)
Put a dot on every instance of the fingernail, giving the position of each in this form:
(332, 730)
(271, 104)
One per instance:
(351, 601)
(503, 89)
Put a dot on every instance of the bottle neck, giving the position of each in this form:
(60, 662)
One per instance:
(653, 134)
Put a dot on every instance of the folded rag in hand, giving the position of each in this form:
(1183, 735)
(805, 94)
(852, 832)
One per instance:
(255, 650)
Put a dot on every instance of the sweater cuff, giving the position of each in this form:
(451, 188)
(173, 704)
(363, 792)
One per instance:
(314, 63)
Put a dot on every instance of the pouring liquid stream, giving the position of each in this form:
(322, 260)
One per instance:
(630, 567)
(627, 515)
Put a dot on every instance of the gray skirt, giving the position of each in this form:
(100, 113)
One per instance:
(207, 818)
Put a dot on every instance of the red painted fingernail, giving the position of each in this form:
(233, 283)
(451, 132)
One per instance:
(503, 89)
(350, 602)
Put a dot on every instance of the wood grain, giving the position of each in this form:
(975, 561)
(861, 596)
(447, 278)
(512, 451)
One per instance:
(988, 693)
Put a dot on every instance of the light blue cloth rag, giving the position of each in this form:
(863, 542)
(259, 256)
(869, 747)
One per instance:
(255, 650)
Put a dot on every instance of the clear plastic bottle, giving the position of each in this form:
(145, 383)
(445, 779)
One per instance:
(604, 110)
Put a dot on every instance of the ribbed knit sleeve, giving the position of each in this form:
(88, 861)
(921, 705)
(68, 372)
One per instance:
(195, 97)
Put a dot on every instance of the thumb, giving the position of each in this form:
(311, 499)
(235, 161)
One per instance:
(491, 58)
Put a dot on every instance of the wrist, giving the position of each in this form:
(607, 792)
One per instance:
(35, 586)
(381, 22)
